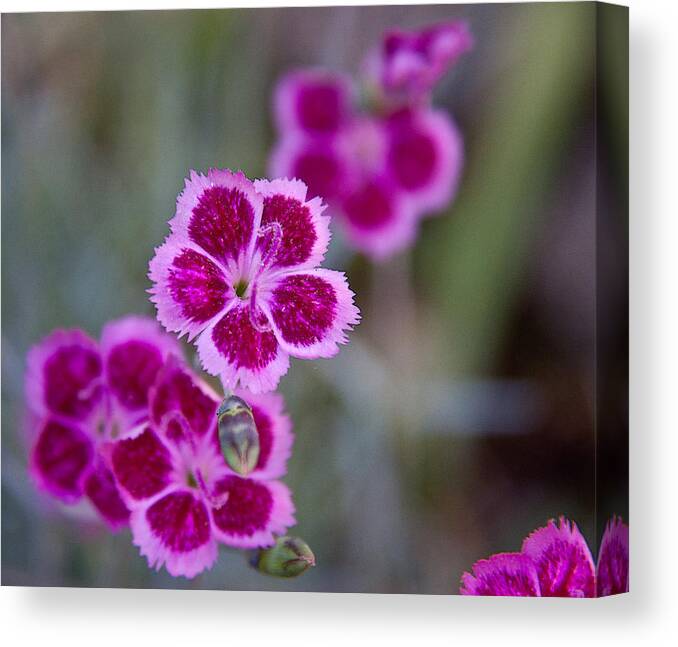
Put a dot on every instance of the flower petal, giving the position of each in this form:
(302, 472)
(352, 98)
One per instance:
(562, 559)
(409, 64)
(178, 390)
(134, 349)
(378, 219)
(219, 213)
(613, 559)
(319, 162)
(189, 288)
(275, 433)
(103, 492)
(311, 312)
(304, 230)
(504, 574)
(61, 458)
(234, 349)
(64, 376)
(425, 157)
(175, 532)
(142, 465)
(314, 101)
(254, 512)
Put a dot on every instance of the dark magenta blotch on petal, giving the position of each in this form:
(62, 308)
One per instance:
(132, 368)
(180, 521)
(303, 307)
(197, 285)
(177, 391)
(412, 157)
(222, 222)
(298, 231)
(370, 207)
(321, 170)
(100, 487)
(320, 106)
(247, 509)
(61, 455)
(71, 377)
(142, 465)
(243, 345)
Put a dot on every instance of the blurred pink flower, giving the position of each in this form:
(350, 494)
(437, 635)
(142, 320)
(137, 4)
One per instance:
(183, 497)
(240, 270)
(81, 394)
(555, 561)
(380, 171)
(408, 64)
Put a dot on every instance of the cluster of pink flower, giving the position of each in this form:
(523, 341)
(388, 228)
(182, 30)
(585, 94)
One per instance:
(555, 561)
(384, 169)
(129, 426)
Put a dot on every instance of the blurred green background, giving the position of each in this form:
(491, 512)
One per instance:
(463, 413)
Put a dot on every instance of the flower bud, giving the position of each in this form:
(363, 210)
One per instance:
(238, 436)
(288, 557)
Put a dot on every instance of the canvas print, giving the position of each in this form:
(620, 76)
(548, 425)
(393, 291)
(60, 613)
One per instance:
(317, 299)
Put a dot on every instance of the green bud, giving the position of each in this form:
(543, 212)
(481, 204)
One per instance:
(288, 557)
(238, 435)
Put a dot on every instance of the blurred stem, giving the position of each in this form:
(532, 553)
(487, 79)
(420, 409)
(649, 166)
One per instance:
(481, 251)
(393, 312)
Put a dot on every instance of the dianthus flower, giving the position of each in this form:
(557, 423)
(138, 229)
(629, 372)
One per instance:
(240, 269)
(81, 394)
(183, 497)
(380, 171)
(555, 561)
(612, 571)
(407, 65)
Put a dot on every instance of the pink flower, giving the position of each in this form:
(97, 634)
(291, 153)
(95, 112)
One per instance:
(613, 559)
(381, 172)
(183, 496)
(81, 394)
(555, 561)
(407, 65)
(240, 270)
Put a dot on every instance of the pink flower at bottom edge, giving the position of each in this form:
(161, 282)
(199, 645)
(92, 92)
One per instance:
(613, 559)
(555, 561)
(504, 574)
(562, 559)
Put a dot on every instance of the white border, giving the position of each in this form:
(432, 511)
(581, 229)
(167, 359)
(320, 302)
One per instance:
(646, 616)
